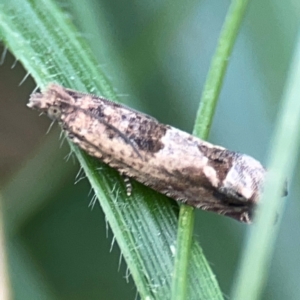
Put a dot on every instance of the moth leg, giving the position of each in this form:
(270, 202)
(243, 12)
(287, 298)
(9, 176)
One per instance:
(128, 184)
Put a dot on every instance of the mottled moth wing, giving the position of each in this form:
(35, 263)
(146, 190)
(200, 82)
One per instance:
(164, 158)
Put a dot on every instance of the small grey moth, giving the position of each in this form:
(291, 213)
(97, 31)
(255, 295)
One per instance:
(168, 160)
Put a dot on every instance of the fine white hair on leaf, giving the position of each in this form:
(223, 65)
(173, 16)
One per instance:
(14, 63)
(35, 89)
(90, 191)
(79, 173)
(112, 243)
(80, 176)
(120, 261)
(63, 139)
(93, 202)
(50, 127)
(62, 135)
(127, 274)
(115, 194)
(3, 55)
(68, 156)
(24, 78)
(106, 226)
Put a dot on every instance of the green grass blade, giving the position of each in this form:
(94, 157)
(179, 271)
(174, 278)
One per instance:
(284, 150)
(44, 40)
(202, 127)
(218, 68)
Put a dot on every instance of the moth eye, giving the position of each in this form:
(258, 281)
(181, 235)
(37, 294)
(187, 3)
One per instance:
(54, 112)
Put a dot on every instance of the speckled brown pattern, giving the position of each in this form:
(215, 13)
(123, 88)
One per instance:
(168, 160)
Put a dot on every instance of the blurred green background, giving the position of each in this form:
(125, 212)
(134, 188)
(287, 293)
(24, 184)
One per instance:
(60, 248)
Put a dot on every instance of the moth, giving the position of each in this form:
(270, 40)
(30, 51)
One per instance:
(168, 160)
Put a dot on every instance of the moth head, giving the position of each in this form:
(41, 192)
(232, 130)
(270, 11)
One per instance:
(244, 180)
(52, 101)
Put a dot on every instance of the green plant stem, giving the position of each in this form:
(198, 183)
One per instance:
(284, 148)
(218, 68)
(201, 129)
(184, 241)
